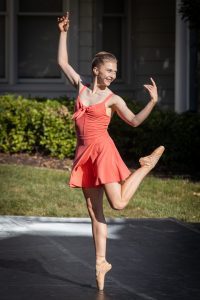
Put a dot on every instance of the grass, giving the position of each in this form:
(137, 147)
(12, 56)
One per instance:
(32, 191)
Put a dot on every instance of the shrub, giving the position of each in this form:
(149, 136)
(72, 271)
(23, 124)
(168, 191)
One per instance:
(45, 126)
(36, 126)
(20, 122)
(178, 133)
(58, 136)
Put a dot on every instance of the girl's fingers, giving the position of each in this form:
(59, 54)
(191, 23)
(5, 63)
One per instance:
(67, 16)
(64, 17)
(148, 86)
(153, 81)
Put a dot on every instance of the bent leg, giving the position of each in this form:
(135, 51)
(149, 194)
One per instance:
(118, 194)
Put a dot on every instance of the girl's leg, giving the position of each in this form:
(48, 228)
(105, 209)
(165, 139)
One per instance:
(119, 194)
(94, 200)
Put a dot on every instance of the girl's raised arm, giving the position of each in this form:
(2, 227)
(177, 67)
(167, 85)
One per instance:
(63, 24)
(127, 115)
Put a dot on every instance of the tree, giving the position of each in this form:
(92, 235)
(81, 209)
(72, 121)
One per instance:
(189, 9)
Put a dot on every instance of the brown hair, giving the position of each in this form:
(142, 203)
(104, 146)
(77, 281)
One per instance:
(101, 57)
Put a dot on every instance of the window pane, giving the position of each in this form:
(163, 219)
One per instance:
(113, 42)
(37, 47)
(40, 5)
(2, 47)
(2, 5)
(113, 6)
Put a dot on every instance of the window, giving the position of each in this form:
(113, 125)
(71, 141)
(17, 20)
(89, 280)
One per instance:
(114, 33)
(37, 39)
(2, 39)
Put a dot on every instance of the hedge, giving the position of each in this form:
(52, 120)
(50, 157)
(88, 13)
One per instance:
(28, 125)
(179, 133)
(45, 126)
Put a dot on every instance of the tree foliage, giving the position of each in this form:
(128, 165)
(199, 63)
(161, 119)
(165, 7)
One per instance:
(190, 10)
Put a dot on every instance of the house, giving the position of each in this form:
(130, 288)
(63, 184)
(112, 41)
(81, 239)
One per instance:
(147, 36)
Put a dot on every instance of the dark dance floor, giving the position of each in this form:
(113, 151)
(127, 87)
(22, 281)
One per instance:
(53, 258)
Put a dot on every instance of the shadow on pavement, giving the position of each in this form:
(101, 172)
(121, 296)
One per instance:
(53, 258)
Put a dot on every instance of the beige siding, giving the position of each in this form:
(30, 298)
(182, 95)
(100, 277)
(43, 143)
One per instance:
(153, 42)
(149, 45)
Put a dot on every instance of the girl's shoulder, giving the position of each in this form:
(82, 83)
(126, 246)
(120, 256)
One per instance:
(114, 99)
(82, 84)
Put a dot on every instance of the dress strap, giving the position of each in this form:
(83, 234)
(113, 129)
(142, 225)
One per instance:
(108, 97)
(82, 89)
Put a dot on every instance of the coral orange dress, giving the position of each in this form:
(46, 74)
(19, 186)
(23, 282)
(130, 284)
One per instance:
(97, 160)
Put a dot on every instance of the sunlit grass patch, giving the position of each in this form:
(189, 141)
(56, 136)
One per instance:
(32, 191)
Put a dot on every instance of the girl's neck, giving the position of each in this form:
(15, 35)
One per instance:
(97, 88)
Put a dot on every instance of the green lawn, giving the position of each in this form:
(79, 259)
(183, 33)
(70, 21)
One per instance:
(31, 191)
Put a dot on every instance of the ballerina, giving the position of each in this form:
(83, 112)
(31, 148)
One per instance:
(98, 166)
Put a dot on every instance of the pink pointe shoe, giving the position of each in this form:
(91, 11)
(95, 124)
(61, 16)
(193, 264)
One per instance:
(101, 270)
(151, 160)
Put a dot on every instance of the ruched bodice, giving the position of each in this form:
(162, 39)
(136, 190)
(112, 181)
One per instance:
(91, 122)
(97, 160)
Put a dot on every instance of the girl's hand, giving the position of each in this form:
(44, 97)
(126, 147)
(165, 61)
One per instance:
(63, 22)
(152, 89)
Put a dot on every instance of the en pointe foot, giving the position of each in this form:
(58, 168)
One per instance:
(151, 160)
(101, 270)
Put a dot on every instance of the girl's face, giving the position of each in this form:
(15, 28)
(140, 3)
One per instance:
(106, 73)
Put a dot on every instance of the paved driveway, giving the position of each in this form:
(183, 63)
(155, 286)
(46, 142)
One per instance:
(53, 258)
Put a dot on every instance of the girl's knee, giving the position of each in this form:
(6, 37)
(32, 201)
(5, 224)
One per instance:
(117, 206)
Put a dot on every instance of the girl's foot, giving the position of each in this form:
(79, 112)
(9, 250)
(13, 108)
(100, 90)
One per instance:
(151, 160)
(101, 270)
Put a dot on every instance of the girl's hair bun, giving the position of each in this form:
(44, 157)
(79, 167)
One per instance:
(101, 57)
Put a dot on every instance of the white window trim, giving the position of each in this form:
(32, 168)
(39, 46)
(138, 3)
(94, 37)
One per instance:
(11, 81)
(45, 14)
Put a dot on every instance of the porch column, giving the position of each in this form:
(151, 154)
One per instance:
(182, 63)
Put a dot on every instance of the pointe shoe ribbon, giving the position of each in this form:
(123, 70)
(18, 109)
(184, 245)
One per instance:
(151, 160)
(101, 270)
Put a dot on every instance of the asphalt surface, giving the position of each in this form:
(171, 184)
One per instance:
(53, 258)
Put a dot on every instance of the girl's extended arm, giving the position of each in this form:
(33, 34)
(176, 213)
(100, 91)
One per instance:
(136, 119)
(63, 24)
